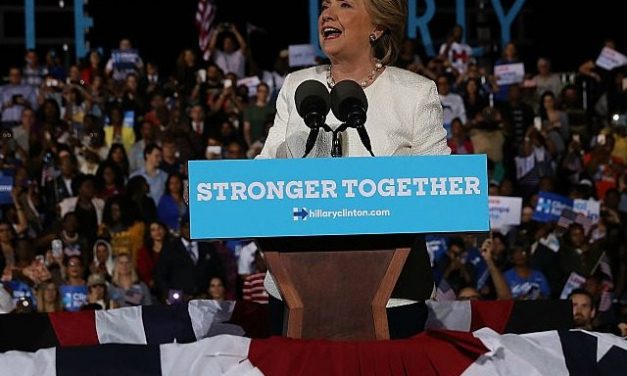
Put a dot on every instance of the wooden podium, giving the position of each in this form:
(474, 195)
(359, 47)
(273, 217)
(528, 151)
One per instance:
(338, 293)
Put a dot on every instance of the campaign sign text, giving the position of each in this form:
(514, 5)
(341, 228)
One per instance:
(330, 196)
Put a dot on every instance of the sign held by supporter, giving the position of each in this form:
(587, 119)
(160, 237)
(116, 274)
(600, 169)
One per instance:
(504, 211)
(508, 74)
(550, 206)
(6, 186)
(610, 59)
(331, 196)
(302, 55)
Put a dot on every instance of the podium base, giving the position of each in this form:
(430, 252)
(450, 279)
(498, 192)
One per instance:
(336, 295)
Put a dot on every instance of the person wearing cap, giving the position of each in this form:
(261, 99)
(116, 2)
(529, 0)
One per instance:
(97, 292)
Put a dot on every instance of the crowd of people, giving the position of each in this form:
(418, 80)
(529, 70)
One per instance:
(96, 156)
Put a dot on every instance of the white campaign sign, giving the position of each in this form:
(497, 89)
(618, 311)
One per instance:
(504, 211)
(301, 55)
(610, 59)
(508, 74)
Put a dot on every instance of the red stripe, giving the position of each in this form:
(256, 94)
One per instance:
(429, 353)
(492, 314)
(75, 328)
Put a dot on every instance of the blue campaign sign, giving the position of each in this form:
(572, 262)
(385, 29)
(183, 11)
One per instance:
(338, 196)
(550, 207)
(6, 186)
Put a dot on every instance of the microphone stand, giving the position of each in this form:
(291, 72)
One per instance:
(336, 144)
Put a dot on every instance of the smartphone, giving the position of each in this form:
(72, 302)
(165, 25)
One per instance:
(577, 138)
(57, 248)
(16, 97)
(228, 83)
(214, 150)
(174, 296)
(537, 123)
(40, 259)
(202, 75)
(601, 139)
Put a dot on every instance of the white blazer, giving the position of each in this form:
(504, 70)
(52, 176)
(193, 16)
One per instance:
(404, 118)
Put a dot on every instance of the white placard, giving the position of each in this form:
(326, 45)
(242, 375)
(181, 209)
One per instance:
(610, 59)
(574, 282)
(504, 211)
(251, 83)
(508, 74)
(589, 208)
(301, 55)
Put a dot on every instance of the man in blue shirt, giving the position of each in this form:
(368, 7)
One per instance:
(155, 177)
(14, 97)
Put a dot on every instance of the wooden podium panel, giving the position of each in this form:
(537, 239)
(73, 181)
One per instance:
(336, 295)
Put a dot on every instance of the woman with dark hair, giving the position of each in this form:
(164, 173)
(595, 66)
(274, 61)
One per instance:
(48, 298)
(186, 71)
(554, 121)
(171, 205)
(120, 224)
(92, 67)
(117, 132)
(137, 190)
(53, 128)
(110, 179)
(474, 101)
(149, 254)
(118, 155)
(86, 206)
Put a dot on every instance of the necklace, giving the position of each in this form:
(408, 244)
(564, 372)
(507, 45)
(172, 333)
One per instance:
(364, 83)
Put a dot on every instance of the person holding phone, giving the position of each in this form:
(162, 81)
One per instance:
(15, 97)
(231, 56)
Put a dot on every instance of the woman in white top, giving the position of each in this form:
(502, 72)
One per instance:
(362, 38)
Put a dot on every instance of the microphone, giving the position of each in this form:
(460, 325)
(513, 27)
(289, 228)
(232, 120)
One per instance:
(312, 104)
(349, 105)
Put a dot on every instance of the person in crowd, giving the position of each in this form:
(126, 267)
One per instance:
(148, 136)
(92, 68)
(48, 299)
(15, 97)
(186, 265)
(517, 114)
(583, 309)
(74, 289)
(231, 57)
(110, 180)
(216, 290)
(459, 142)
(117, 154)
(452, 104)
(186, 71)
(456, 51)
(61, 187)
(509, 55)
(33, 72)
(97, 293)
(170, 162)
(137, 191)
(123, 61)
(103, 259)
(256, 115)
(153, 175)
(474, 100)
(410, 60)
(171, 207)
(525, 283)
(546, 80)
(86, 206)
(121, 225)
(117, 132)
(126, 289)
(454, 269)
(25, 134)
(148, 256)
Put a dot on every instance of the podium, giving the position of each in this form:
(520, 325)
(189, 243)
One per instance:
(336, 232)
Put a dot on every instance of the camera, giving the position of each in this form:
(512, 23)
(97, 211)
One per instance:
(225, 25)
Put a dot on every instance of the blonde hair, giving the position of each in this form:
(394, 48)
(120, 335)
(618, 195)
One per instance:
(391, 15)
(41, 302)
(115, 278)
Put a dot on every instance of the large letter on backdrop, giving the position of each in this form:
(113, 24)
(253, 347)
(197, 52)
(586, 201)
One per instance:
(421, 23)
(506, 19)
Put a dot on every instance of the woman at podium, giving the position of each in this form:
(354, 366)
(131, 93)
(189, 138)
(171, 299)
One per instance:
(362, 39)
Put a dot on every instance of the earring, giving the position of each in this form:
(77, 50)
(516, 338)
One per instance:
(373, 38)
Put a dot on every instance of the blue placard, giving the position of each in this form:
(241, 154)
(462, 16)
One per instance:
(6, 186)
(550, 207)
(343, 196)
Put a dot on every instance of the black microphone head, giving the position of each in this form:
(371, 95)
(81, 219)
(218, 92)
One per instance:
(312, 96)
(345, 96)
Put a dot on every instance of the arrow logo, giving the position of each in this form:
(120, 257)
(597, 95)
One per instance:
(300, 214)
